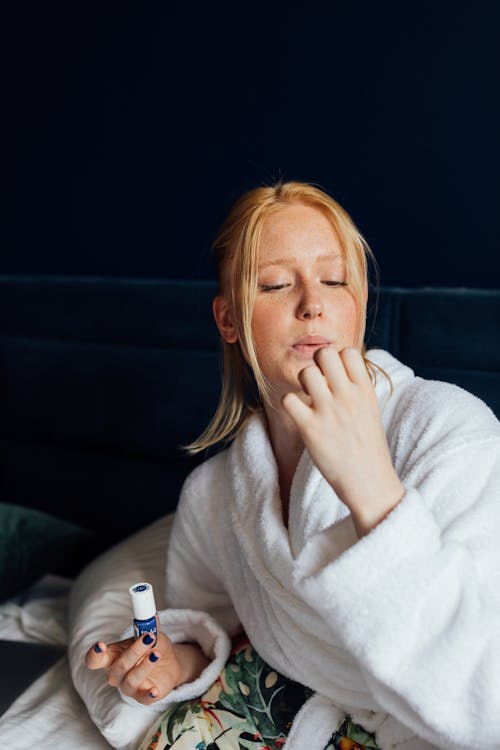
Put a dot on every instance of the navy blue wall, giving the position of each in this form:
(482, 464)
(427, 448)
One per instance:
(131, 129)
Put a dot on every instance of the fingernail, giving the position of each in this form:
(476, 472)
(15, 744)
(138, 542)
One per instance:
(153, 657)
(147, 639)
(97, 649)
(152, 695)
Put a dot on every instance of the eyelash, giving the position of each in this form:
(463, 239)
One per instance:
(278, 287)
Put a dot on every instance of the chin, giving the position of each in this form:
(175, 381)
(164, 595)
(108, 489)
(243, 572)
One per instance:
(290, 385)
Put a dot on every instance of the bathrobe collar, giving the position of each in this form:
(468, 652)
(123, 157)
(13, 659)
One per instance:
(272, 549)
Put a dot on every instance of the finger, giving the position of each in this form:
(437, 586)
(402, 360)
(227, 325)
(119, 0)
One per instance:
(97, 656)
(331, 365)
(102, 655)
(295, 408)
(313, 383)
(138, 682)
(154, 677)
(148, 696)
(129, 658)
(152, 693)
(354, 365)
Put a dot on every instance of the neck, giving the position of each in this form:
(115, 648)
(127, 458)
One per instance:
(287, 447)
(283, 433)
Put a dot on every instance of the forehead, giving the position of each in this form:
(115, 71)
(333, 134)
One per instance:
(296, 230)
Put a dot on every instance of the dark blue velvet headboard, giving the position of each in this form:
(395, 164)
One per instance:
(101, 380)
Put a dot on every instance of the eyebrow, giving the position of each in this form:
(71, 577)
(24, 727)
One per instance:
(290, 260)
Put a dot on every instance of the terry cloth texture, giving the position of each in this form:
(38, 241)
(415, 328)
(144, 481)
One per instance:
(249, 706)
(401, 629)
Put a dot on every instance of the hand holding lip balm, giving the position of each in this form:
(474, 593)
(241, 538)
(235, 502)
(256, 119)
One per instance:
(144, 607)
(148, 666)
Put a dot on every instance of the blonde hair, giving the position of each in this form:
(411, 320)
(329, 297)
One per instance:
(244, 387)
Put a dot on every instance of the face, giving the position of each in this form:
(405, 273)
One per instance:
(303, 300)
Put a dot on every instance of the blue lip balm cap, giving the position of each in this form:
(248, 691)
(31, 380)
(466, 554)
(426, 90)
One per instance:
(144, 607)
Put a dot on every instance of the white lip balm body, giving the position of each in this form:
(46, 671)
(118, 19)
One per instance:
(143, 604)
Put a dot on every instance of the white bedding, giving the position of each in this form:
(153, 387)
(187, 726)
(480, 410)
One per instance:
(50, 713)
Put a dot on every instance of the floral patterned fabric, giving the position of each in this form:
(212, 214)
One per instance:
(249, 707)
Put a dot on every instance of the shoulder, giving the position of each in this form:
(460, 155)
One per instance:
(208, 487)
(425, 400)
(433, 419)
(207, 471)
(444, 408)
(204, 487)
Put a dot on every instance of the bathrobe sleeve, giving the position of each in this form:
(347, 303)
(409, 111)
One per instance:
(199, 608)
(417, 601)
(198, 556)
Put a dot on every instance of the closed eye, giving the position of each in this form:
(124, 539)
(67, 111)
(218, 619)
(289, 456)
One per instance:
(334, 283)
(272, 287)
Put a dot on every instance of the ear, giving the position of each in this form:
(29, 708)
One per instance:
(224, 319)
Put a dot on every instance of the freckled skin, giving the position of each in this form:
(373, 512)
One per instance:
(322, 398)
(306, 257)
(325, 392)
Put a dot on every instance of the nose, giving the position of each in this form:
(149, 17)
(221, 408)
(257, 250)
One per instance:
(310, 305)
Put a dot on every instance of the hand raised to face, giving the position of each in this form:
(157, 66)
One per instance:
(342, 429)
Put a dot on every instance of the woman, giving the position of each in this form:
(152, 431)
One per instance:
(364, 569)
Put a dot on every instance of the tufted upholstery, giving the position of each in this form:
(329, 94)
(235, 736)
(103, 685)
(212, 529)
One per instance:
(101, 380)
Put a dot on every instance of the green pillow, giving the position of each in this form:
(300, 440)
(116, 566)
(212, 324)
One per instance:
(33, 543)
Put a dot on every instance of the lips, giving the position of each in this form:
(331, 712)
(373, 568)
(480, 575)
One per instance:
(308, 345)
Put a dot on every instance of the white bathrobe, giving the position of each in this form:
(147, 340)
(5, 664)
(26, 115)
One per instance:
(400, 629)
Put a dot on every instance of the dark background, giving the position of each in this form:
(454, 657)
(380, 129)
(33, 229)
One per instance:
(130, 129)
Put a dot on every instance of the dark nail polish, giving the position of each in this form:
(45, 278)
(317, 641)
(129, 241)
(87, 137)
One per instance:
(97, 649)
(148, 639)
(152, 695)
(153, 657)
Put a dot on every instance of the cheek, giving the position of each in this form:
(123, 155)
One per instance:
(348, 319)
(267, 331)
(266, 321)
(262, 336)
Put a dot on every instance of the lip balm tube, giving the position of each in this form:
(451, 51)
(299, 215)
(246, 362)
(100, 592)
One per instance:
(144, 607)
